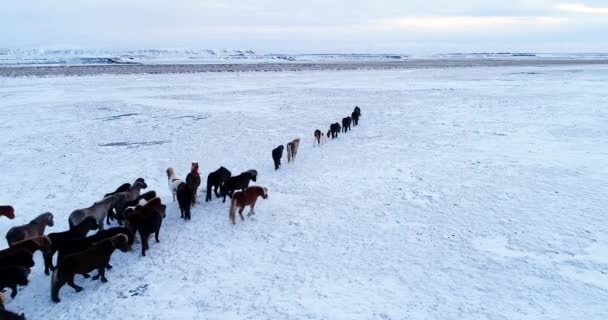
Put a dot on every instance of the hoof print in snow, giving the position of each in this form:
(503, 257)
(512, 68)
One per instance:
(139, 291)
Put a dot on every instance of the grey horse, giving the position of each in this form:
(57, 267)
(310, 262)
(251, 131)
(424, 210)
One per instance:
(98, 210)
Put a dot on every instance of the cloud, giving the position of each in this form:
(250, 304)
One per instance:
(463, 23)
(581, 8)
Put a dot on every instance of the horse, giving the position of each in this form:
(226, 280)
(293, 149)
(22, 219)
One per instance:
(319, 138)
(357, 110)
(215, 179)
(193, 179)
(131, 206)
(182, 192)
(122, 198)
(98, 210)
(246, 198)
(57, 238)
(7, 211)
(346, 124)
(71, 246)
(240, 182)
(277, 154)
(335, 129)
(111, 214)
(292, 150)
(21, 257)
(33, 228)
(355, 117)
(147, 220)
(96, 257)
(13, 276)
(42, 243)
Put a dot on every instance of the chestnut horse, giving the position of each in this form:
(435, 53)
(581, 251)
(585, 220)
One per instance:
(193, 179)
(7, 211)
(32, 229)
(245, 198)
(292, 150)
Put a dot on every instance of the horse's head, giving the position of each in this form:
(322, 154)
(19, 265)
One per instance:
(140, 183)
(264, 193)
(90, 223)
(7, 211)
(49, 219)
(194, 167)
(121, 242)
(170, 172)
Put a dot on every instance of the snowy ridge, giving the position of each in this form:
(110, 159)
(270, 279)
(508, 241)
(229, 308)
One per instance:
(34, 57)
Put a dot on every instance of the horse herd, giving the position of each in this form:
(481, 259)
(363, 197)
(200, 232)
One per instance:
(134, 212)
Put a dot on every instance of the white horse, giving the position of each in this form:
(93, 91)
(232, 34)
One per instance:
(98, 210)
(173, 182)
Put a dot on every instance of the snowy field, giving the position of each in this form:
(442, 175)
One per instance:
(466, 193)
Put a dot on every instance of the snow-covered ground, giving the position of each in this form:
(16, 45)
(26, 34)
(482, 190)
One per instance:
(465, 193)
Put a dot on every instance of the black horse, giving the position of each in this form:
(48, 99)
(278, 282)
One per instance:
(346, 124)
(215, 180)
(277, 154)
(240, 182)
(335, 129)
(355, 116)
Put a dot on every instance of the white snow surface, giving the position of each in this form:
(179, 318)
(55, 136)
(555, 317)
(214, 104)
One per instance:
(470, 193)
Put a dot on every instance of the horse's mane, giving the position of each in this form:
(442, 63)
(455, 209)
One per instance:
(42, 217)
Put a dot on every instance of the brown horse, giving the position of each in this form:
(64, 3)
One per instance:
(32, 229)
(193, 179)
(83, 262)
(42, 243)
(147, 220)
(292, 150)
(319, 138)
(245, 198)
(7, 211)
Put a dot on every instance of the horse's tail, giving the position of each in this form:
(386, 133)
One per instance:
(232, 213)
(209, 187)
(184, 199)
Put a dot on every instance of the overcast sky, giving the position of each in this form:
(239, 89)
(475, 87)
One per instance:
(398, 26)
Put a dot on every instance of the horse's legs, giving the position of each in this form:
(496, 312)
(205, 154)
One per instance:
(156, 234)
(144, 243)
(73, 285)
(13, 291)
(101, 273)
(231, 216)
(173, 195)
(48, 263)
(252, 212)
(241, 212)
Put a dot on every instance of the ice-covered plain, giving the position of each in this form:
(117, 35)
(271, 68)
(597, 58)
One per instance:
(465, 193)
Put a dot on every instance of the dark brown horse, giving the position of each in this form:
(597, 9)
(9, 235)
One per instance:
(32, 229)
(7, 211)
(147, 220)
(246, 198)
(58, 238)
(193, 179)
(215, 179)
(42, 243)
(12, 276)
(83, 262)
